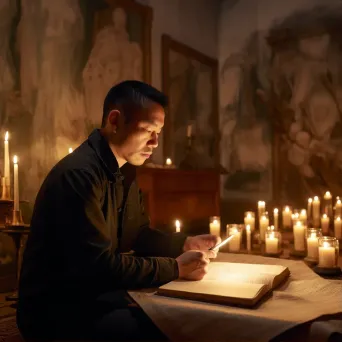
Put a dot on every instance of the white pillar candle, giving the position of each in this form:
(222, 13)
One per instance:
(248, 235)
(16, 184)
(215, 228)
(7, 172)
(299, 236)
(312, 242)
(235, 243)
(168, 161)
(271, 244)
(326, 255)
(287, 217)
(325, 220)
(250, 220)
(263, 224)
(309, 211)
(338, 228)
(338, 208)
(261, 208)
(316, 210)
(303, 216)
(276, 218)
(178, 226)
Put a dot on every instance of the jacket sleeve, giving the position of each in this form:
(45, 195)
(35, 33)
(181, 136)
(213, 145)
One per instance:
(153, 242)
(87, 242)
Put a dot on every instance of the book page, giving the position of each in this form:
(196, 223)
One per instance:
(243, 273)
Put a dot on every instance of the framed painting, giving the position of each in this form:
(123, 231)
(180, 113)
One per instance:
(190, 82)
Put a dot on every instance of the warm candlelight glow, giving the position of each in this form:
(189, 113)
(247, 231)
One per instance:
(313, 236)
(316, 198)
(326, 244)
(303, 212)
(287, 209)
(6, 136)
(338, 202)
(70, 149)
(168, 161)
(275, 210)
(310, 200)
(178, 226)
(248, 228)
(15, 160)
(325, 216)
(327, 195)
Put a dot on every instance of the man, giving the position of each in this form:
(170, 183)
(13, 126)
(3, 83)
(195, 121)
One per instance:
(88, 216)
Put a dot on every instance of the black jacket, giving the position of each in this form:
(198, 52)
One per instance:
(87, 215)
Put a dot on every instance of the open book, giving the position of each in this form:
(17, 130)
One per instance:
(229, 283)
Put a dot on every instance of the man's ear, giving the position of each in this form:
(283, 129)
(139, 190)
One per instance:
(113, 119)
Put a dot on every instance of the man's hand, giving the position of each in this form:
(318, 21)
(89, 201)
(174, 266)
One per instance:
(201, 242)
(193, 265)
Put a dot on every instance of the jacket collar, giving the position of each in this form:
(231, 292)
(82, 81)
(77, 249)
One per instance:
(105, 154)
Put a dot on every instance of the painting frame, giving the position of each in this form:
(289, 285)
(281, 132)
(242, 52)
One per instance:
(168, 44)
(130, 7)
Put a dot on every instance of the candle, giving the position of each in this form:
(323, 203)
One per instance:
(250, 220)
(263, 223)
(215, 226)
(7, 159)
(316, 211)
(189, 131)
(326, 255)
(287, 219)
(235, 242)
(303, 216)
(261, 208)
(338, 228)
(312, 243)
(338, 208)
(248, 235)
(271, 244)
(327, 196)
(70, 150)
(16, 184)
(178, 226)
(328, 204)
(309, 211)
(299, 236)
(168, 162)
(325, 220)
(276, 218)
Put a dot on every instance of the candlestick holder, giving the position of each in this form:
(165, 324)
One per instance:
(6, 189)
(328, 252)
(17, 219)
(312, 236)
(272, 244)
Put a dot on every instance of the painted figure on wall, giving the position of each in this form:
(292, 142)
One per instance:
(307, 88)
(245, 130)
(113, 58)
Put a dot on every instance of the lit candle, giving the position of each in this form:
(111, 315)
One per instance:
(235, 242)
(215, 227)
(338, 228)
(287, 217)
(6, 185)
(309, 211)
(168, 161)
(178, 226)
(299, 236)
(261, 208)
(271, 244)
(250, 220)
(338, 208)
(70, 150)
(276, 218)
(16, 184)
(316, 210)
(326, 255)
(325, 220)
(248, 235)
(263, 223)
(303, 217)
(312, 242)
(328, 204)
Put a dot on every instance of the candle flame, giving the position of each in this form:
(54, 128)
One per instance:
(248, 227)
(327, 194)
(338, 202)
(303, 212)
(326, 244)
(6, 136)
(272, 235)
(298, 223)
(177, 223)
(249, 215)
(275, 210)
(215, 222)
(261, 203)
(313, 235)
(70, 149)
(15, 160)
(263, 217)
(338, 218)
(287, 209)
(325, 216)
(168, 161)
(316, 198)
(310, 200)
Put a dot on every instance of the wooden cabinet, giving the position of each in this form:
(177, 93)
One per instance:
(189, 195)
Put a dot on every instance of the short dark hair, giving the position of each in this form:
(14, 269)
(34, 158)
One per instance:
(131, 95)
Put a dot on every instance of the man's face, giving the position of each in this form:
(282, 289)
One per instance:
(139, 137)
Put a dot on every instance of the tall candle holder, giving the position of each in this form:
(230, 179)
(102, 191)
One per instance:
(312, 236)
(273, 243)
(17, 219)
(234, 245)
(328, 252)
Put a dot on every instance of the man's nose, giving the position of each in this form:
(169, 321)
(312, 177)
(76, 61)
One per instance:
(153, 142)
